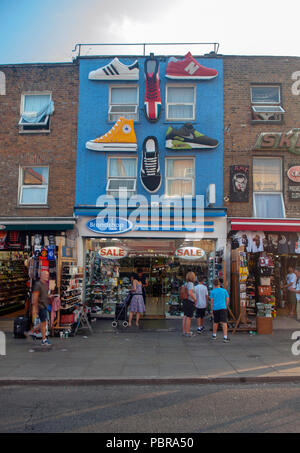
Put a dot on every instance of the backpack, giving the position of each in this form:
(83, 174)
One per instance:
(183, 292)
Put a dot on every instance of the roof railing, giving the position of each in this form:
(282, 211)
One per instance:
(80, 47)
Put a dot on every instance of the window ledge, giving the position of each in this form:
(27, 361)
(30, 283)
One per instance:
(32, 206)
(34, 132)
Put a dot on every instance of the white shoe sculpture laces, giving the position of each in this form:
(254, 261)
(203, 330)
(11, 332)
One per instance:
(115, 70)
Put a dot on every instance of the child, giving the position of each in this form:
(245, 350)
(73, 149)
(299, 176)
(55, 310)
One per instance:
(219, 303)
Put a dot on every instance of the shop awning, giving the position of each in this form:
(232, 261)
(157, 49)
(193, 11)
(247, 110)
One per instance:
(37, 223)
(242, 224)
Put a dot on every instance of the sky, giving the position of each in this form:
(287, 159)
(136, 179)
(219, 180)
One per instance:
(41, 31)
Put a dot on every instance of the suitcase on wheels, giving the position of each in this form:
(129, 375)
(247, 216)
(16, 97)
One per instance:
(21, 325)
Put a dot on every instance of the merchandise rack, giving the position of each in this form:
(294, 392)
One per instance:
(13, 279)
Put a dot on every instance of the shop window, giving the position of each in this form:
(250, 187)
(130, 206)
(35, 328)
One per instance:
(36, 109)
(267, 188)
(180, 102)
(180, 177)
(266, 103)
(123, 101)
(121, 175)
(34, 186)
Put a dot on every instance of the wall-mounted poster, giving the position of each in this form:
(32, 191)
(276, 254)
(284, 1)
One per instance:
(294, 183)
(239, 183)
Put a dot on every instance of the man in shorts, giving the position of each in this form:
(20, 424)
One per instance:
(219, 304)
(201, 304)
(291, 282)
(40, 303)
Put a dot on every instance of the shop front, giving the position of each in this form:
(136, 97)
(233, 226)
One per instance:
(161, 258)
(262, 250)
(28, 247)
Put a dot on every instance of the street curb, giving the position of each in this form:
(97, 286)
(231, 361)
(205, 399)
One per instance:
(151, 381)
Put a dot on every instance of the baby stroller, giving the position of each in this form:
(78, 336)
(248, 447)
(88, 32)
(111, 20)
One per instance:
(121, 312)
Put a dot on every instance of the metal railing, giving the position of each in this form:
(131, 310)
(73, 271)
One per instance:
(80, 46)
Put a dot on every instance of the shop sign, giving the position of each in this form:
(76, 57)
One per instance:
(294, 173)
(189, 253)
(114, 225)
(283, 141)
(113, 253)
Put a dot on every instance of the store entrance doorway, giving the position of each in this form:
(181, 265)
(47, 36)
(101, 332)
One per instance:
(110, 265)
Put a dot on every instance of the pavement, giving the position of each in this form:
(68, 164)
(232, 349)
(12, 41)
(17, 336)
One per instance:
(156, 353)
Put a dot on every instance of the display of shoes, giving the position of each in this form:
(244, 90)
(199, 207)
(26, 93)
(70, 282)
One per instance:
(188, 68)
(115, 70)
(150, 168)
(187, 137)
(121, 137)
(152, 104)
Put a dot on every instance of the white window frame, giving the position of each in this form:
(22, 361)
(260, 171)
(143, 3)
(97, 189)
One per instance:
(38, 127)
(34, 186)
(193, 104)
(135, 106)
(168, 178)
(264, 192)
(125, 178)
(267, 107)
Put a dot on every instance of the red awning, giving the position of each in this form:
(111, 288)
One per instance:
(265, 224)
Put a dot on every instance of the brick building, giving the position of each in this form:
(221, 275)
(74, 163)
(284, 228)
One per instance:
(38, 109)
(261, 165)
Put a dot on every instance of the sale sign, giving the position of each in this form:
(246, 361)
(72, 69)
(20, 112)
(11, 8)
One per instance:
(189, 253)
(113, 253)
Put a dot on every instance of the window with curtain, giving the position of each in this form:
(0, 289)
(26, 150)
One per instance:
(123, 101)
(267, 187)
(180, 102)
(35, 111)
(179, 177)
(34, 185)
(122, 174)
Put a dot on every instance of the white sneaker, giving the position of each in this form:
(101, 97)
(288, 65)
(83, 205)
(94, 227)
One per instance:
(115, 70)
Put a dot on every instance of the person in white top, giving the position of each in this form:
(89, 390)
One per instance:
(291, 281)
(201, 304)
(297, 291)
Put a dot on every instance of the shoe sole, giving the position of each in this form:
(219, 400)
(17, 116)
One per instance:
(190, 77)
(187, 145)
(116, 77)
(111, 146)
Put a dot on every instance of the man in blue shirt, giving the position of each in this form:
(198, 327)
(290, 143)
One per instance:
(219, 303)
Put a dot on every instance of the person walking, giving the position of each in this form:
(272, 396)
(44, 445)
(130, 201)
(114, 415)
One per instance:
(40, 302)
(291, 281)
(201, 304)
(189, 304)
(219, 304)
(137, 304)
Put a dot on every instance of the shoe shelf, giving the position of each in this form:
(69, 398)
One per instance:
(13, 278)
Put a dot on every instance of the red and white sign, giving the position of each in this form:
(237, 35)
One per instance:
(113, 253)
(189, 253)
(294, 173)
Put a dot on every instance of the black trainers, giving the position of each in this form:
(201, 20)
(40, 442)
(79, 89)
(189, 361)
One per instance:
(226, 340)
(187, 137)
(150, 169)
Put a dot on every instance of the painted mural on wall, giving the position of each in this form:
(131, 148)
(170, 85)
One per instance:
(239, 183)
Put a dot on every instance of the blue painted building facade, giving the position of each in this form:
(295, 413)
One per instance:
(93, 121)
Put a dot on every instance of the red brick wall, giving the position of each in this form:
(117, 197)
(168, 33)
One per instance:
(56, 149)
(240, 135)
